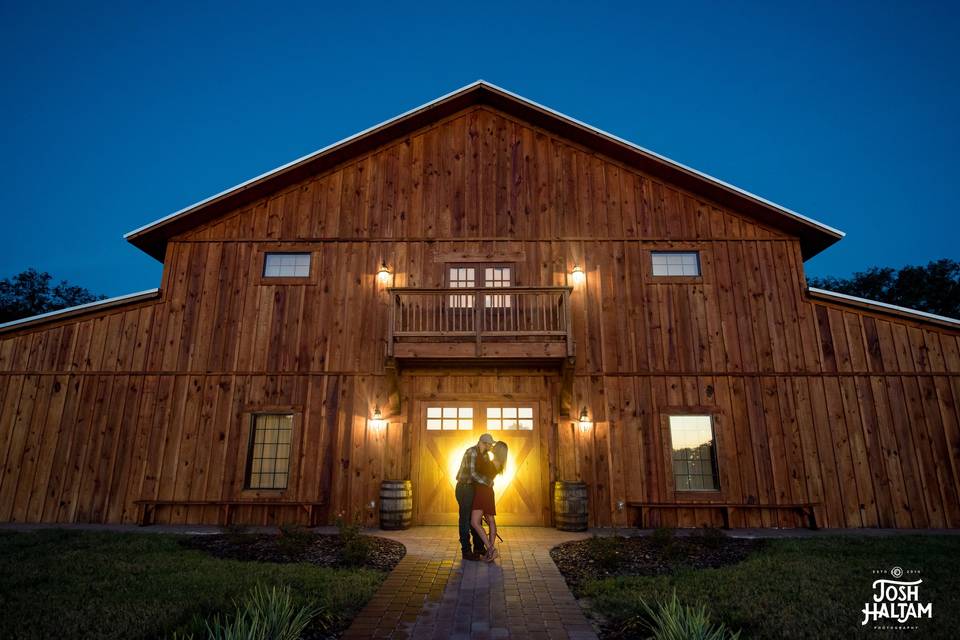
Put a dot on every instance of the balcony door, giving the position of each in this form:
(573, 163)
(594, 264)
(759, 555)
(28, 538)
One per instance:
(445, 429)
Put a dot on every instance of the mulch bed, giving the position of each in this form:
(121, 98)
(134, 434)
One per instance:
(598, 558)
(323, 550)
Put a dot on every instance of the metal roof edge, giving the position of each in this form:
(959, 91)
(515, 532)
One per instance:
(742, 192)
(109, 302)
(884, 305)
(679, 165)
(302, 159)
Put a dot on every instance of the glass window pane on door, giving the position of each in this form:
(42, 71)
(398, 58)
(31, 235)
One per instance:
(497, 277)
(510, 418)
(449, 418)
(460, 277)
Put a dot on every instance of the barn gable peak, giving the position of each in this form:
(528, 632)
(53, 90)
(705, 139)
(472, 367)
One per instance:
(814, 236)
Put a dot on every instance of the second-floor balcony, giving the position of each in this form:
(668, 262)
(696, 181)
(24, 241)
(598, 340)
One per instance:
(480, 323)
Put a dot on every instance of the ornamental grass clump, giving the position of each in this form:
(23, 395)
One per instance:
(265, 614)
(674, 621)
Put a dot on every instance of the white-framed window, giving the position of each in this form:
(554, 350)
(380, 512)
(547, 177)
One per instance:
(694, 453)
(461, 276)
(449, 418)
(286, 265)
(268, 461)
(509, 418)
(497, 276)
(675, 263)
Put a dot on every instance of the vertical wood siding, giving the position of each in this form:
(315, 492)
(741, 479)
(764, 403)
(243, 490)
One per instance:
(812, 400)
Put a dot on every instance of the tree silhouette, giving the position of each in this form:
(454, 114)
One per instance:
(934, 288)
(29, 293)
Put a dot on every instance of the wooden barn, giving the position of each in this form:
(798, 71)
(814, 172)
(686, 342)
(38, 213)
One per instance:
(483, 263)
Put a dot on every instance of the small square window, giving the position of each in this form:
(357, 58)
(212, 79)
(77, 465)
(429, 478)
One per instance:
(675, 263)
(286, 265)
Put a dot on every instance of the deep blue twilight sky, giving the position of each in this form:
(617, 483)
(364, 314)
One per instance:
(114, 116)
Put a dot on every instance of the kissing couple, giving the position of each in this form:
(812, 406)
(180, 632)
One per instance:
(480, 465)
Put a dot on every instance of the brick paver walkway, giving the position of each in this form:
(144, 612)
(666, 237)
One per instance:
(432, 593)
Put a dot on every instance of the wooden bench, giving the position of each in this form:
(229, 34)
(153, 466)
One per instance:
(803, 509)
(148, 507)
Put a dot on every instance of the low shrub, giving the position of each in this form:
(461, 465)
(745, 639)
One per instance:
(711, 537)
(662, 536)
(235, 533)
(294, 538)
(605, 551)
(356, 547)
(674, 621)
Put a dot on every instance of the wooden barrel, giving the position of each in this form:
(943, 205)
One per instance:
(570, 505)
(396, 504)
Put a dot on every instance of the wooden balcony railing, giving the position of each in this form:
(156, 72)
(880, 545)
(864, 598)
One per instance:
(489, 318)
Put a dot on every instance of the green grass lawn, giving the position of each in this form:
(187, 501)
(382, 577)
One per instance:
(803, 588)
(80, 584)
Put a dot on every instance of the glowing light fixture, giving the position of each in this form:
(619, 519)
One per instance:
(377, 422)
(585, 422)
(578, 276)
(383, 274)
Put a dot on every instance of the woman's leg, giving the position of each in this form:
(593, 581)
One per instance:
(478, 527)
(492, 523)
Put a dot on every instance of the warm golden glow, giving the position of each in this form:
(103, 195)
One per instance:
(585, 422)
(384, 273)
(578, 276)
(377, 422)
(501, 482)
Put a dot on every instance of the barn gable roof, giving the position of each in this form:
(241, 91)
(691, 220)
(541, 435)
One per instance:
(814, 236)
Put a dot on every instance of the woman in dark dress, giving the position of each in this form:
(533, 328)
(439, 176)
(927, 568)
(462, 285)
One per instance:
(484, 500)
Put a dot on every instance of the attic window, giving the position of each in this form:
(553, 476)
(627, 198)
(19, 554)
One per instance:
(676, 263)
(286, 265)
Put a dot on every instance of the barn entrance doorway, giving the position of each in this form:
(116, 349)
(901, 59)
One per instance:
(446, 428)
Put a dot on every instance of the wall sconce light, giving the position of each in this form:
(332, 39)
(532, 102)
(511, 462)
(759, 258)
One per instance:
(585, 422)
(376, 422)
(383, 274)
(578, 276)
